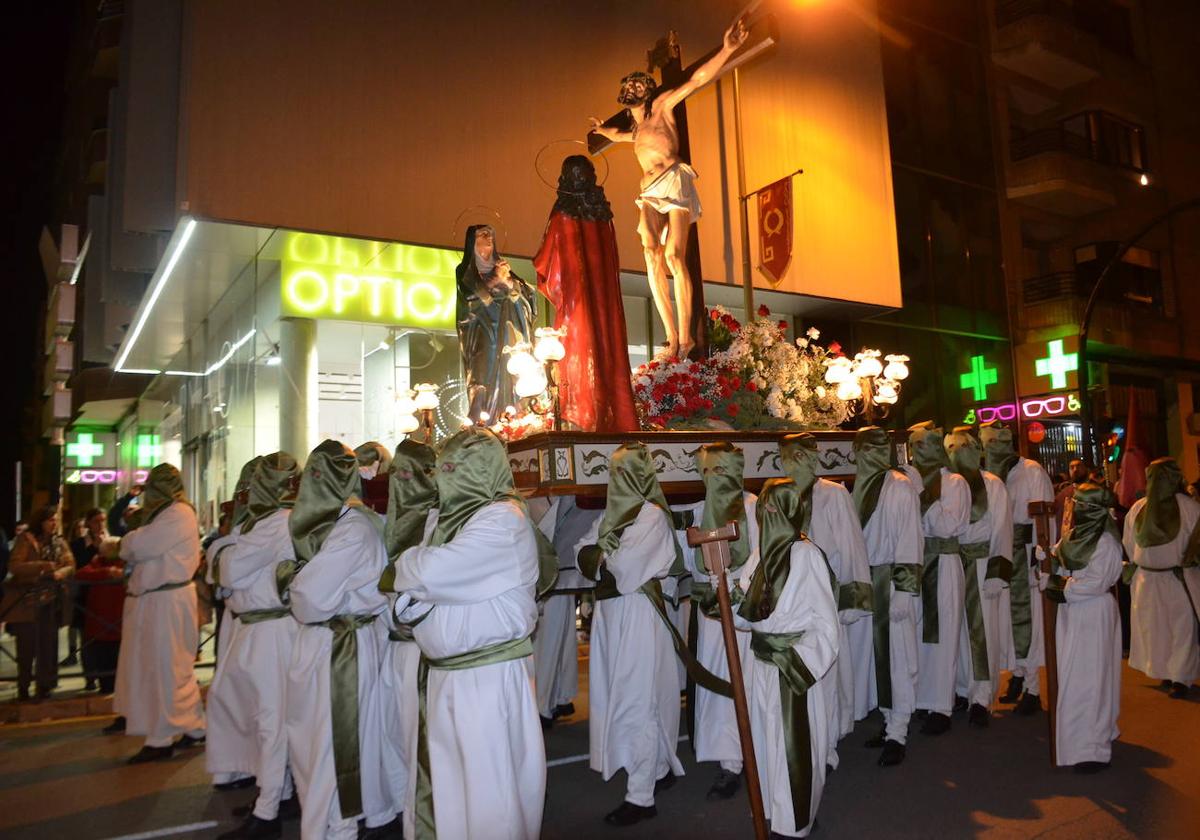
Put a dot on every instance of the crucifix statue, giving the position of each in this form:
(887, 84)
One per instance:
(667, 204)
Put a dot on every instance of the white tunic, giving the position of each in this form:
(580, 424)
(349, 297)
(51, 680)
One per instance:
(633, 718)
(341, 579)
(212, 557)
(836, 531)
(994, 528)
(156, 688)
(1089, 659)
(555, 647)
(805, 606)
(247, 733)
(716, 731)
(1027, 482)
(894, 538)
(937, 665)
(1163, 643)
(487, 757)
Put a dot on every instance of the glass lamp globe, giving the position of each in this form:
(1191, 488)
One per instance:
(549, 347)
(897, 369)
(405, 404)
(867, 364)
(406, 424)
(837, 370)
(427, 397)
(531, 383)
(849, 390)
(886, 392)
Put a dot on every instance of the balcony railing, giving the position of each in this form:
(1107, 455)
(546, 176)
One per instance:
(1128, 286)
(1094, 135)
(1107, 22)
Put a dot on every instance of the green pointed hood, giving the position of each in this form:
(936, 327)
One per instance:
(927, 452)
(373, 453)
(1158, 520)
(241, 491)
(778, 509)
(273, 486)
(999, 453)
(412, 493)
(874, 455)
(1092, 516)
(965, 454)
(632, 481)
(798, 456)
(330, 480)
(163, 486)
(722, 466)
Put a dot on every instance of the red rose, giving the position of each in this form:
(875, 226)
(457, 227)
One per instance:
(714, 314)
(782, 326)
(732, 409)
(751, 386)
(835, 348)
(763, 311)
(736, 383)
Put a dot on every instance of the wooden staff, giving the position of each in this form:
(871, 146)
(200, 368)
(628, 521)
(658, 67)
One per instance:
(1041, 513)
(715, 545)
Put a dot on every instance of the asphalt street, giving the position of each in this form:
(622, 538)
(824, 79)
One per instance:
(67, 780)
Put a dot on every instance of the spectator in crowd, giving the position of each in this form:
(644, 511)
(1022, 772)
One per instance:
(103, 576)
(84, 548)
(40, 562)
(1077, 473)
(116, 514)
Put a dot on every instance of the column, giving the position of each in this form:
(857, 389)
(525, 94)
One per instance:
(298, 386)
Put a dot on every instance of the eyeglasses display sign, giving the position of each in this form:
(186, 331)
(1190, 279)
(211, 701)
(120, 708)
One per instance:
(1053, 405)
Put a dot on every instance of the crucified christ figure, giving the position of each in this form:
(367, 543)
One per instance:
(667, 203)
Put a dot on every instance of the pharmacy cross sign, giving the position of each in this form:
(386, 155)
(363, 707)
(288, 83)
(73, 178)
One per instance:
(85, 450)
(979, 377)
(148, 450)
(1057, 364)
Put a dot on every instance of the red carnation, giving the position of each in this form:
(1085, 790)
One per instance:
(736, 383)
(763, 311)
(732, 409)
(782, 326)
(714, 314)
(835, 348)
(751, 386)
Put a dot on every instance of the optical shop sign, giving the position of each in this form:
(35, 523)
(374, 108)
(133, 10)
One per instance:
(400, 285)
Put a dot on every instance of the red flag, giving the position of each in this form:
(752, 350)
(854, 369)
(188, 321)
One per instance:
(1135, 460)
(775, 229)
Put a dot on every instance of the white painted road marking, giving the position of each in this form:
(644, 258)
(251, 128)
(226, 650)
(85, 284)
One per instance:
(571, 759)
(167, 832)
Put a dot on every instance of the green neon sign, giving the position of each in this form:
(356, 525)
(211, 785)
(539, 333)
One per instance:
(85, 450)
(1056, 364)
(978, 378)
(341, 279)
(149, 450)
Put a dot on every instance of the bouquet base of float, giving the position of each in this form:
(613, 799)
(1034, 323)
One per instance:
(576, 463)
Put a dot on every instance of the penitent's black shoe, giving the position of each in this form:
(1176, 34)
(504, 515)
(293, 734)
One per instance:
(253, 828)
(960, 705)
(936, 724)
(147, 754)
(724, 786)
(665, 783)
(393, 830)
(893, 753)
(1029, 704)
(563, 710)
(117, 727)
(978, 716)
(187, 742)
(876, 741)
(236, 784)
(1087, 768)
(1015, 686)
(1178, 691)
(628, 814)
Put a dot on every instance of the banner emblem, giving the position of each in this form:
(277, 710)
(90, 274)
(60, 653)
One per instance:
(775, 229)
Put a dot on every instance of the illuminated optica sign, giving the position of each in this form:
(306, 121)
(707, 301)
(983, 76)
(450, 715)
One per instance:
(90, 448)
(377, 282)
(103, 476)
(1051, 406)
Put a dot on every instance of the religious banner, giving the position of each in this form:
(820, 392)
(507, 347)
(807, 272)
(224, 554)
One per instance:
(775, 229)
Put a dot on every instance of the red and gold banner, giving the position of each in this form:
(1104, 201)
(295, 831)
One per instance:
(775, 229)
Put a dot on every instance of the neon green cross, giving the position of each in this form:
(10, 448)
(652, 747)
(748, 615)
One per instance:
(979, 377)
(85, 450)
(1057, 364)
(149, 450)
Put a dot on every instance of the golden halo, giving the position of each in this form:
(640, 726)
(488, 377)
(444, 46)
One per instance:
(564, 148)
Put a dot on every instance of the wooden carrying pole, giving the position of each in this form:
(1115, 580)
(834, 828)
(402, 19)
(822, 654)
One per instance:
(1041, 513)
(715, 545)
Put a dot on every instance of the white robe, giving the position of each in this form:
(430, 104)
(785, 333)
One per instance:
(836, 531)
(1089, 659)
(341, 579)
(937, 665)
(805, 606)
(716, 731)
(1163, 643)
(212, 556)
(247, 708)
(156, 688)
(633, 718)
(487, 758)
(894, 537)
(994, 528)
(1027, 482)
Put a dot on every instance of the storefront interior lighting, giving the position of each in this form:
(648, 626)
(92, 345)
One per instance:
(83, 252)
(188, 229)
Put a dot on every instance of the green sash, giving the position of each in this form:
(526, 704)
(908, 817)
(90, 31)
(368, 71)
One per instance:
(256, 616)
(165, 587)
(855, 595)
(971, 554)
(881, 604)
(935, 547)
(343, 707)
(1020, 606)
(425, 826)
(795, 680)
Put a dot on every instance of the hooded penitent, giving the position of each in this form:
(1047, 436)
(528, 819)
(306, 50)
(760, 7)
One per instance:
(721, 467)
(329, 482)
(965, 454)
(373, 459)
(632, 481)
(272, 487)
(999, 454)
(241, 504)
(412, 493)
(163, 486)
(928, 454)
(778, 509)
(1092, 517)
(798, 458)
(473, 472)
(1158, 521)
(874, 455)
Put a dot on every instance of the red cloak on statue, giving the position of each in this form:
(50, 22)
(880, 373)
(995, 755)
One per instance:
(578, 272)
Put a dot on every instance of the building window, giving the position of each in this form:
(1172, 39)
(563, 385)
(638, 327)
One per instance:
(1096, 135)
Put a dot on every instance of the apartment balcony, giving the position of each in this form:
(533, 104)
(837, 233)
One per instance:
(1040, 39)
(56, 411)
(60, 311)
(60, 364)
